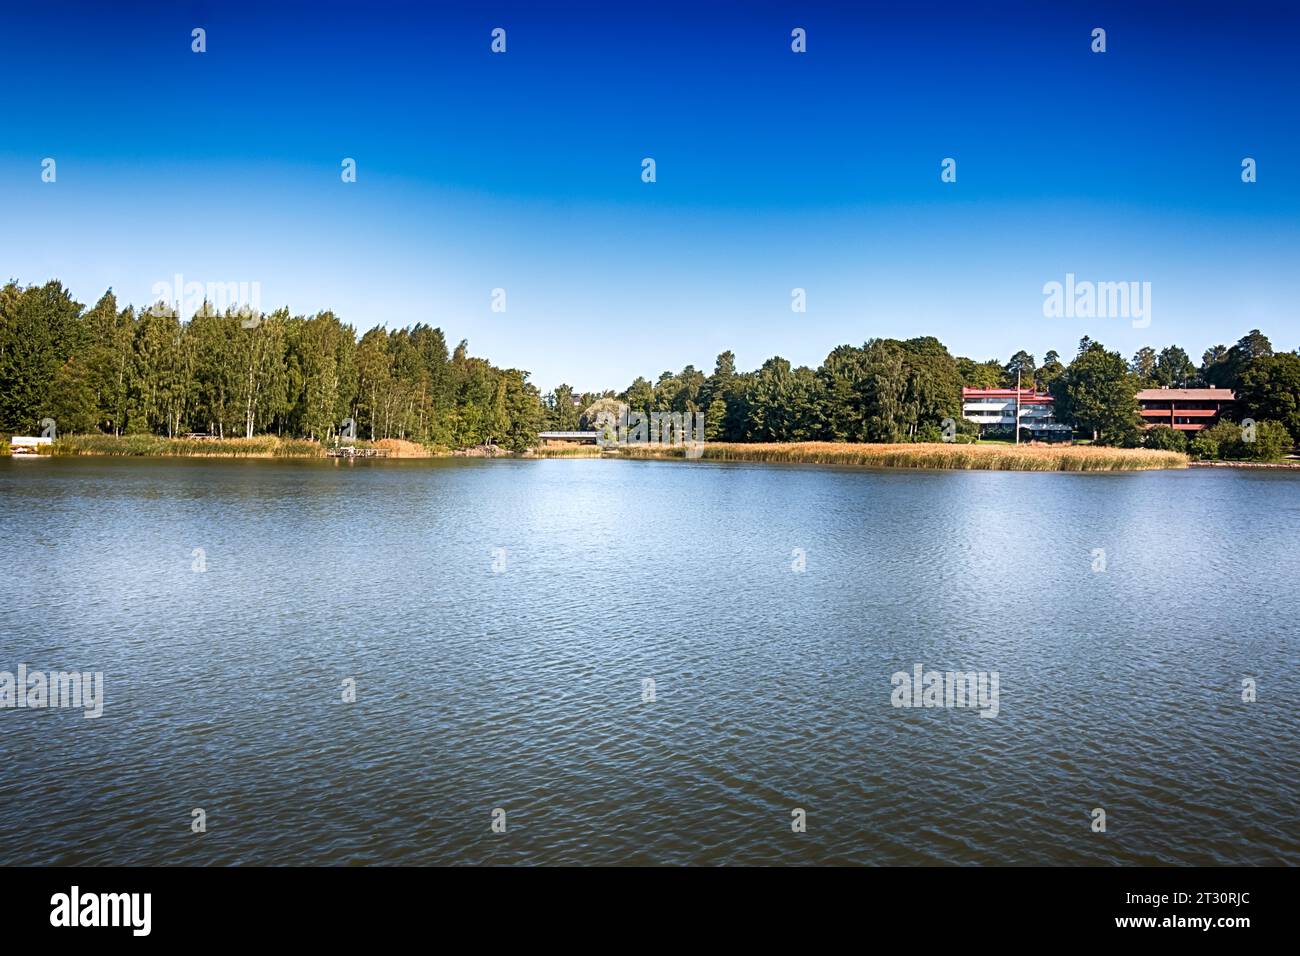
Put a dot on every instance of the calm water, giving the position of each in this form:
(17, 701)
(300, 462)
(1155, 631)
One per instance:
(522, 689)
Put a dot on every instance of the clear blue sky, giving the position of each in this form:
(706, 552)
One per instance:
(775, 170)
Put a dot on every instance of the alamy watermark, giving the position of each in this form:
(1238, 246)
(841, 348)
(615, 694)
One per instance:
(1085, 299)
(923, 688)
(244, 299)
(75, 908)
(665, 429)
(39, 690)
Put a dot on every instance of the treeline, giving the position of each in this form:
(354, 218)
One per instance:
(120, 371)
(885, 391)
(889, 390)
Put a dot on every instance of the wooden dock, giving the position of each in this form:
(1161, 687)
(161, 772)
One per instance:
(351, 451)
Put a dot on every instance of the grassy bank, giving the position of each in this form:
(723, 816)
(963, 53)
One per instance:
(262, 446)
(566, 451)
(936, 455)
(400, 448)
(990, 457)
(265, 446)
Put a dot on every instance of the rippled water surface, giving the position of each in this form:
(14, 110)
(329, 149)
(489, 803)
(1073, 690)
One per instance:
(522, 688)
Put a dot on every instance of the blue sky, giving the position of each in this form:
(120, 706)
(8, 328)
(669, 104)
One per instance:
(775, 170)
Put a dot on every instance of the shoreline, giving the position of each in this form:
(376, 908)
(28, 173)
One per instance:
(261, 446)
(931, 456)
(1219, 463)
(917, 455)
(902, 456)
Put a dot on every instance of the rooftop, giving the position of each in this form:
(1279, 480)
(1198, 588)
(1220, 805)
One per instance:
(1001, 392)
(1186, 394)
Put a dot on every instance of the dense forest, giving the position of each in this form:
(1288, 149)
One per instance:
(121, 371)
(889, 390)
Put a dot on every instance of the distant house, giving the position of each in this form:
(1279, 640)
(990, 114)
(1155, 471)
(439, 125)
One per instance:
(1184, 409)
(997, 410)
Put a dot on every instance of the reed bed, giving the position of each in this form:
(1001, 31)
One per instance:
(933, 455)
(400, 448)
(567, 451)
(264, 446)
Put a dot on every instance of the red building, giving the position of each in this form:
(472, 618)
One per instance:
(1185, 409)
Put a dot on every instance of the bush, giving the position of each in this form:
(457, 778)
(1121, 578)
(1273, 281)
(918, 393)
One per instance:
(1229, 441)
(966, 432)
(1204, 447)
(1271, 442)
(1164, 438)
(1222, 440)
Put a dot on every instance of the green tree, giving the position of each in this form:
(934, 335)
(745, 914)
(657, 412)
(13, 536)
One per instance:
(1096, 394)
(715, 420)
(107, 335)
(1222, 440)
(39, 333)
(1144, 366)
(1174, 369)
(842, 377)
(564, 414)
(974, 374)
(640, 396)
(523, 411)
(934, 384)
(1270, 389)
(1164, 438)
(1227, 368)
(1049, 371)
(1022, 365)
(159, 382)
(884, 391)
(71, 399)
(1271, 442)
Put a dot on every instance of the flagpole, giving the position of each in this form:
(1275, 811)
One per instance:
(1017, 406)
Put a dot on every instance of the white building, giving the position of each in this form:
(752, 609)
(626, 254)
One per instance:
(996, 410)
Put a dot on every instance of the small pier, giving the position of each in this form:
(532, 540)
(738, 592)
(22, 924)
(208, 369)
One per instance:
(29, 446)
(351, 451)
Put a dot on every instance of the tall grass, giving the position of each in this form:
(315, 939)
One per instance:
(400, 448)
(933, 455)
(264, 446)
(567, 451)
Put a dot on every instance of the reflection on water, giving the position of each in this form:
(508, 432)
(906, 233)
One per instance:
(501, 621)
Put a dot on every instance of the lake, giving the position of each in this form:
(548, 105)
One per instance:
(647, 662)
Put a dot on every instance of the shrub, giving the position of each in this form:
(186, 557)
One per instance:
(1164, 438)
(1271, 442)
(1204, 447)
(1222, 440)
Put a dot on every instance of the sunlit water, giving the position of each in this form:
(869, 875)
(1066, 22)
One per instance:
(517, 680)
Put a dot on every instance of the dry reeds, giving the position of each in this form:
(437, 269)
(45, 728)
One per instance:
(932, 455)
